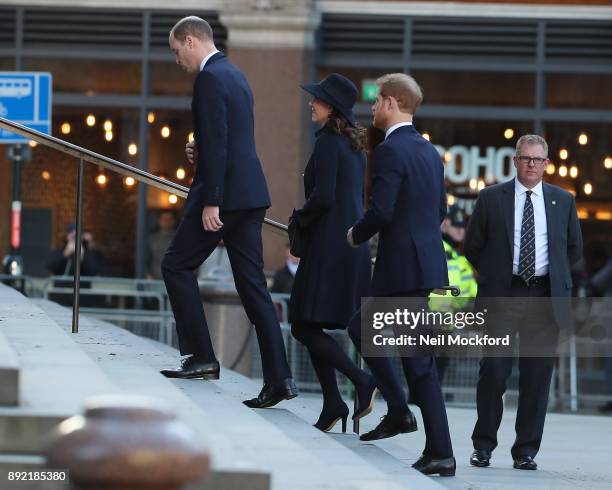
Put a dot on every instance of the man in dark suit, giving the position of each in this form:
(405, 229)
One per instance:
(523, 238)
(408, 204)
(227, 201)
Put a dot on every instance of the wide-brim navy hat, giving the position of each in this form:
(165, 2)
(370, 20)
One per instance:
(337, 91)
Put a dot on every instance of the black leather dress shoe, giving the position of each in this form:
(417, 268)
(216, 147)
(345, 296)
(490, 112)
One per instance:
(194, 368)
(273, 393)
(430, 466)
(391, 425)
(480, 458)
(525, 463)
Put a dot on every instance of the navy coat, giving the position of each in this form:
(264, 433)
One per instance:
(229, 173)
(408, 204)
(332, 277)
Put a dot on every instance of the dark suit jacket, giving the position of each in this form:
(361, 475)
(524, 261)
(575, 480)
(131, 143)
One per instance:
(489, 241)
(408, 204)
(229, 174)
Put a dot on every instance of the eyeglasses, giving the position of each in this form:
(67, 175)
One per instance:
(536, 160)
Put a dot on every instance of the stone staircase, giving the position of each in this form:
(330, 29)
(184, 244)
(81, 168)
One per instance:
(268, 449)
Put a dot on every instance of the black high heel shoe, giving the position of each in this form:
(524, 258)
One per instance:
(365, 399)
(327, 420)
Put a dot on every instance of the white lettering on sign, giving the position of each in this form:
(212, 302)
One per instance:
(463, 163)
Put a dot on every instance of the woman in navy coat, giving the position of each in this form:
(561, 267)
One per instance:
(332, 277)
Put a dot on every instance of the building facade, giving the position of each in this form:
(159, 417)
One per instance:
(490, 72)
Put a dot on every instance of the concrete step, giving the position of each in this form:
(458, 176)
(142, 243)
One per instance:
(50, 363)
(343, 455)
(122, 355)
(9, 372)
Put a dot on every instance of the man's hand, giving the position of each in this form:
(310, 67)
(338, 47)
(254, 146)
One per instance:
(191, 151)
(349, 238)
(210, 218)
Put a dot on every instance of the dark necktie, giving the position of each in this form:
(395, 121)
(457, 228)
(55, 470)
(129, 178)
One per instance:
(526, 266)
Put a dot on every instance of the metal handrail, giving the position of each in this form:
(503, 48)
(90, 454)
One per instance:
(85, 155)
(106, 162)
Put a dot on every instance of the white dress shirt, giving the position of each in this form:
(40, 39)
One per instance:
(541, 234)
(205, 60)
(396, 126)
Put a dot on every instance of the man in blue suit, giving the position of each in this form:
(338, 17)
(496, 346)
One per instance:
(227, 201)
(408, 204)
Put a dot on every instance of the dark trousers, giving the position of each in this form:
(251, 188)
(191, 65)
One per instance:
(535, 375)
(191, 245)
(423, 383)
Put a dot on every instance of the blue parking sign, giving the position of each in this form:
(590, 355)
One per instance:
(25, 97)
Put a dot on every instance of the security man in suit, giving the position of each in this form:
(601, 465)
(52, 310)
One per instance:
(523, 238)
(407, 205)
(227, 201)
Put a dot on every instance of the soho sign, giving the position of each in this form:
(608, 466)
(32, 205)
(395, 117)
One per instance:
(464, 164)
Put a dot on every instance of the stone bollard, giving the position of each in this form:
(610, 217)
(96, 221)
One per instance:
(127, 443)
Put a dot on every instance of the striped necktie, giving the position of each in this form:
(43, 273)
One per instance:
(526, 266)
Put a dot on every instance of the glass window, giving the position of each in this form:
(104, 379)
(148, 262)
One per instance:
(7, 64)
(578, 90)
(584, 146)
(167, 78)
(477, 88)
(90, 77)
(169, 132)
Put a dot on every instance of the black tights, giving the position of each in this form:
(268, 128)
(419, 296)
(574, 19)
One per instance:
(327, 357)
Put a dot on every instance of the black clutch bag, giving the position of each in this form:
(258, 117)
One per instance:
(297, 236)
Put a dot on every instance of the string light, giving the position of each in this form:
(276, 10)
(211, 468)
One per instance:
(108, 125)
(132, 149)
(426, 136)
(180, 173)
(583, 139)
(588, 188)
(65, 128)
(447, 156)
(46, 175)
(509, 133)
(32, 144)
(481, 185)
(450, 199)
(473, 184)
(108, 136)
(101, 179)
(151, 117)
(190, 137)
(573, 172)
(550, 168)
(583, 213)
(165, 132)
(172, 199)
(608, 162)
(90, 120)
(129, 181)
(563, 171)
(563, 154)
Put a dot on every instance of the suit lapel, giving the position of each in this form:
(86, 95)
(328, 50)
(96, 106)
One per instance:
(550, 206)
(508, 209)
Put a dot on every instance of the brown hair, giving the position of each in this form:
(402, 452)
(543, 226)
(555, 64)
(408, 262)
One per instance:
(402, 88)
(338, 124)
(191, 26)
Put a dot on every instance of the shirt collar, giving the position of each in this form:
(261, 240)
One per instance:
(396, 126)
(521, 189)
(205, 60)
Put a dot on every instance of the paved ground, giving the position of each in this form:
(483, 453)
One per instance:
(576, 450)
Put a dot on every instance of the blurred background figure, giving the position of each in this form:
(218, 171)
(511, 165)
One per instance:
(283, 278)
(159, 242)
(460, 273)
(61, 262)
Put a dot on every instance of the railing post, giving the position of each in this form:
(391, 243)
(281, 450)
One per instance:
(77, 252)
